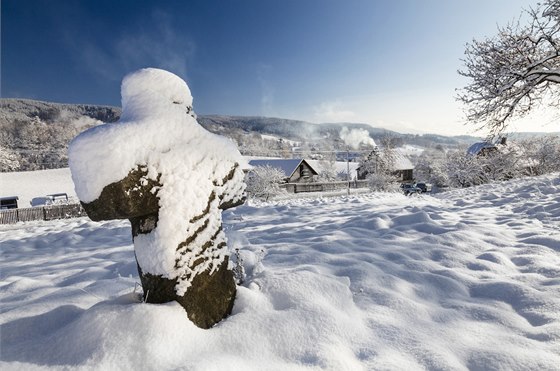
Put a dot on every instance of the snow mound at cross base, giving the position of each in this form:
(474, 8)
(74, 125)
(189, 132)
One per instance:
(159, 132)
(163, 338)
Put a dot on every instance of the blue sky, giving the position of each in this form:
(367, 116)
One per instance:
(389, 63)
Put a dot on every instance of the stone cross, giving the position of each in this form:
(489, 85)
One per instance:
(158, 168)
(210, 297)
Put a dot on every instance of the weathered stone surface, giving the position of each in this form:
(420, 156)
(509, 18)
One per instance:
(131, 197)
(207, 301)
(210, 297)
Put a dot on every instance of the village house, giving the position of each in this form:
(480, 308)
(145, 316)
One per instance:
(503, 152)
(313, 175)
(294, 170)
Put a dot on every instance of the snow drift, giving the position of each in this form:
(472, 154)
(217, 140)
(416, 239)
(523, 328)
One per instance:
(465, 280)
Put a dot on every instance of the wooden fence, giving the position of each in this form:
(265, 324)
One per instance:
(11, 216)
(325, 187)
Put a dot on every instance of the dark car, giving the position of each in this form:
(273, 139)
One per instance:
(410, 189)
(425, 187)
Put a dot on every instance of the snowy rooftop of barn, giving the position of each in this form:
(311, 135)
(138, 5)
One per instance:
(287, 166)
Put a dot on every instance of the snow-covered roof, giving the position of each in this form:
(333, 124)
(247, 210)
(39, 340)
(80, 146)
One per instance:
(9, 198)
(477, 147)
(341, 167)
(287, 166)
(402, 162)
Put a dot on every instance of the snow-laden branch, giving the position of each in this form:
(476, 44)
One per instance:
(512, 72)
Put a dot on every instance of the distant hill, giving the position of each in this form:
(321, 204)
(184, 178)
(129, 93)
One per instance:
(302, 130)
(35, 135)
(12, 110)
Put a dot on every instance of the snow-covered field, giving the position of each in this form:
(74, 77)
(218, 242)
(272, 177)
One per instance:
(30, 184)
(469, 279)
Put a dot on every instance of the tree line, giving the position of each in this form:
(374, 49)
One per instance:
(458, 169)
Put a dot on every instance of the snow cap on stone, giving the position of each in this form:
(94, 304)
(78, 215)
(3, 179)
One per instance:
(150, 91)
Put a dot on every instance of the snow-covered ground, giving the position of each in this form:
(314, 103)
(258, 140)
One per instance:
(30, 184)
(469, 279)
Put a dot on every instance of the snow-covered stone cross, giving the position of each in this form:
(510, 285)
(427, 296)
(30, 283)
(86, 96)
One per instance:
(171, 178)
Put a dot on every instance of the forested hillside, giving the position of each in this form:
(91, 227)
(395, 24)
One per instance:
(35, 135)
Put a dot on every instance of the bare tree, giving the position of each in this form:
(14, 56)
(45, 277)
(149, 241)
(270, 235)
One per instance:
(515, 71)
(328, 170)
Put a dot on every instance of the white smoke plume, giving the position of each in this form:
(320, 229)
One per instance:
(356, 137)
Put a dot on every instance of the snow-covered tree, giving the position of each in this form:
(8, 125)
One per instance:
(329, 172)
(379, 166)
(381, 161)
(542, 154)
(515, 71)
(382, 182)
(264, 181)
(430, 167)
(388, 156)
(502, 164)
(9, 160)
(465, 170)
